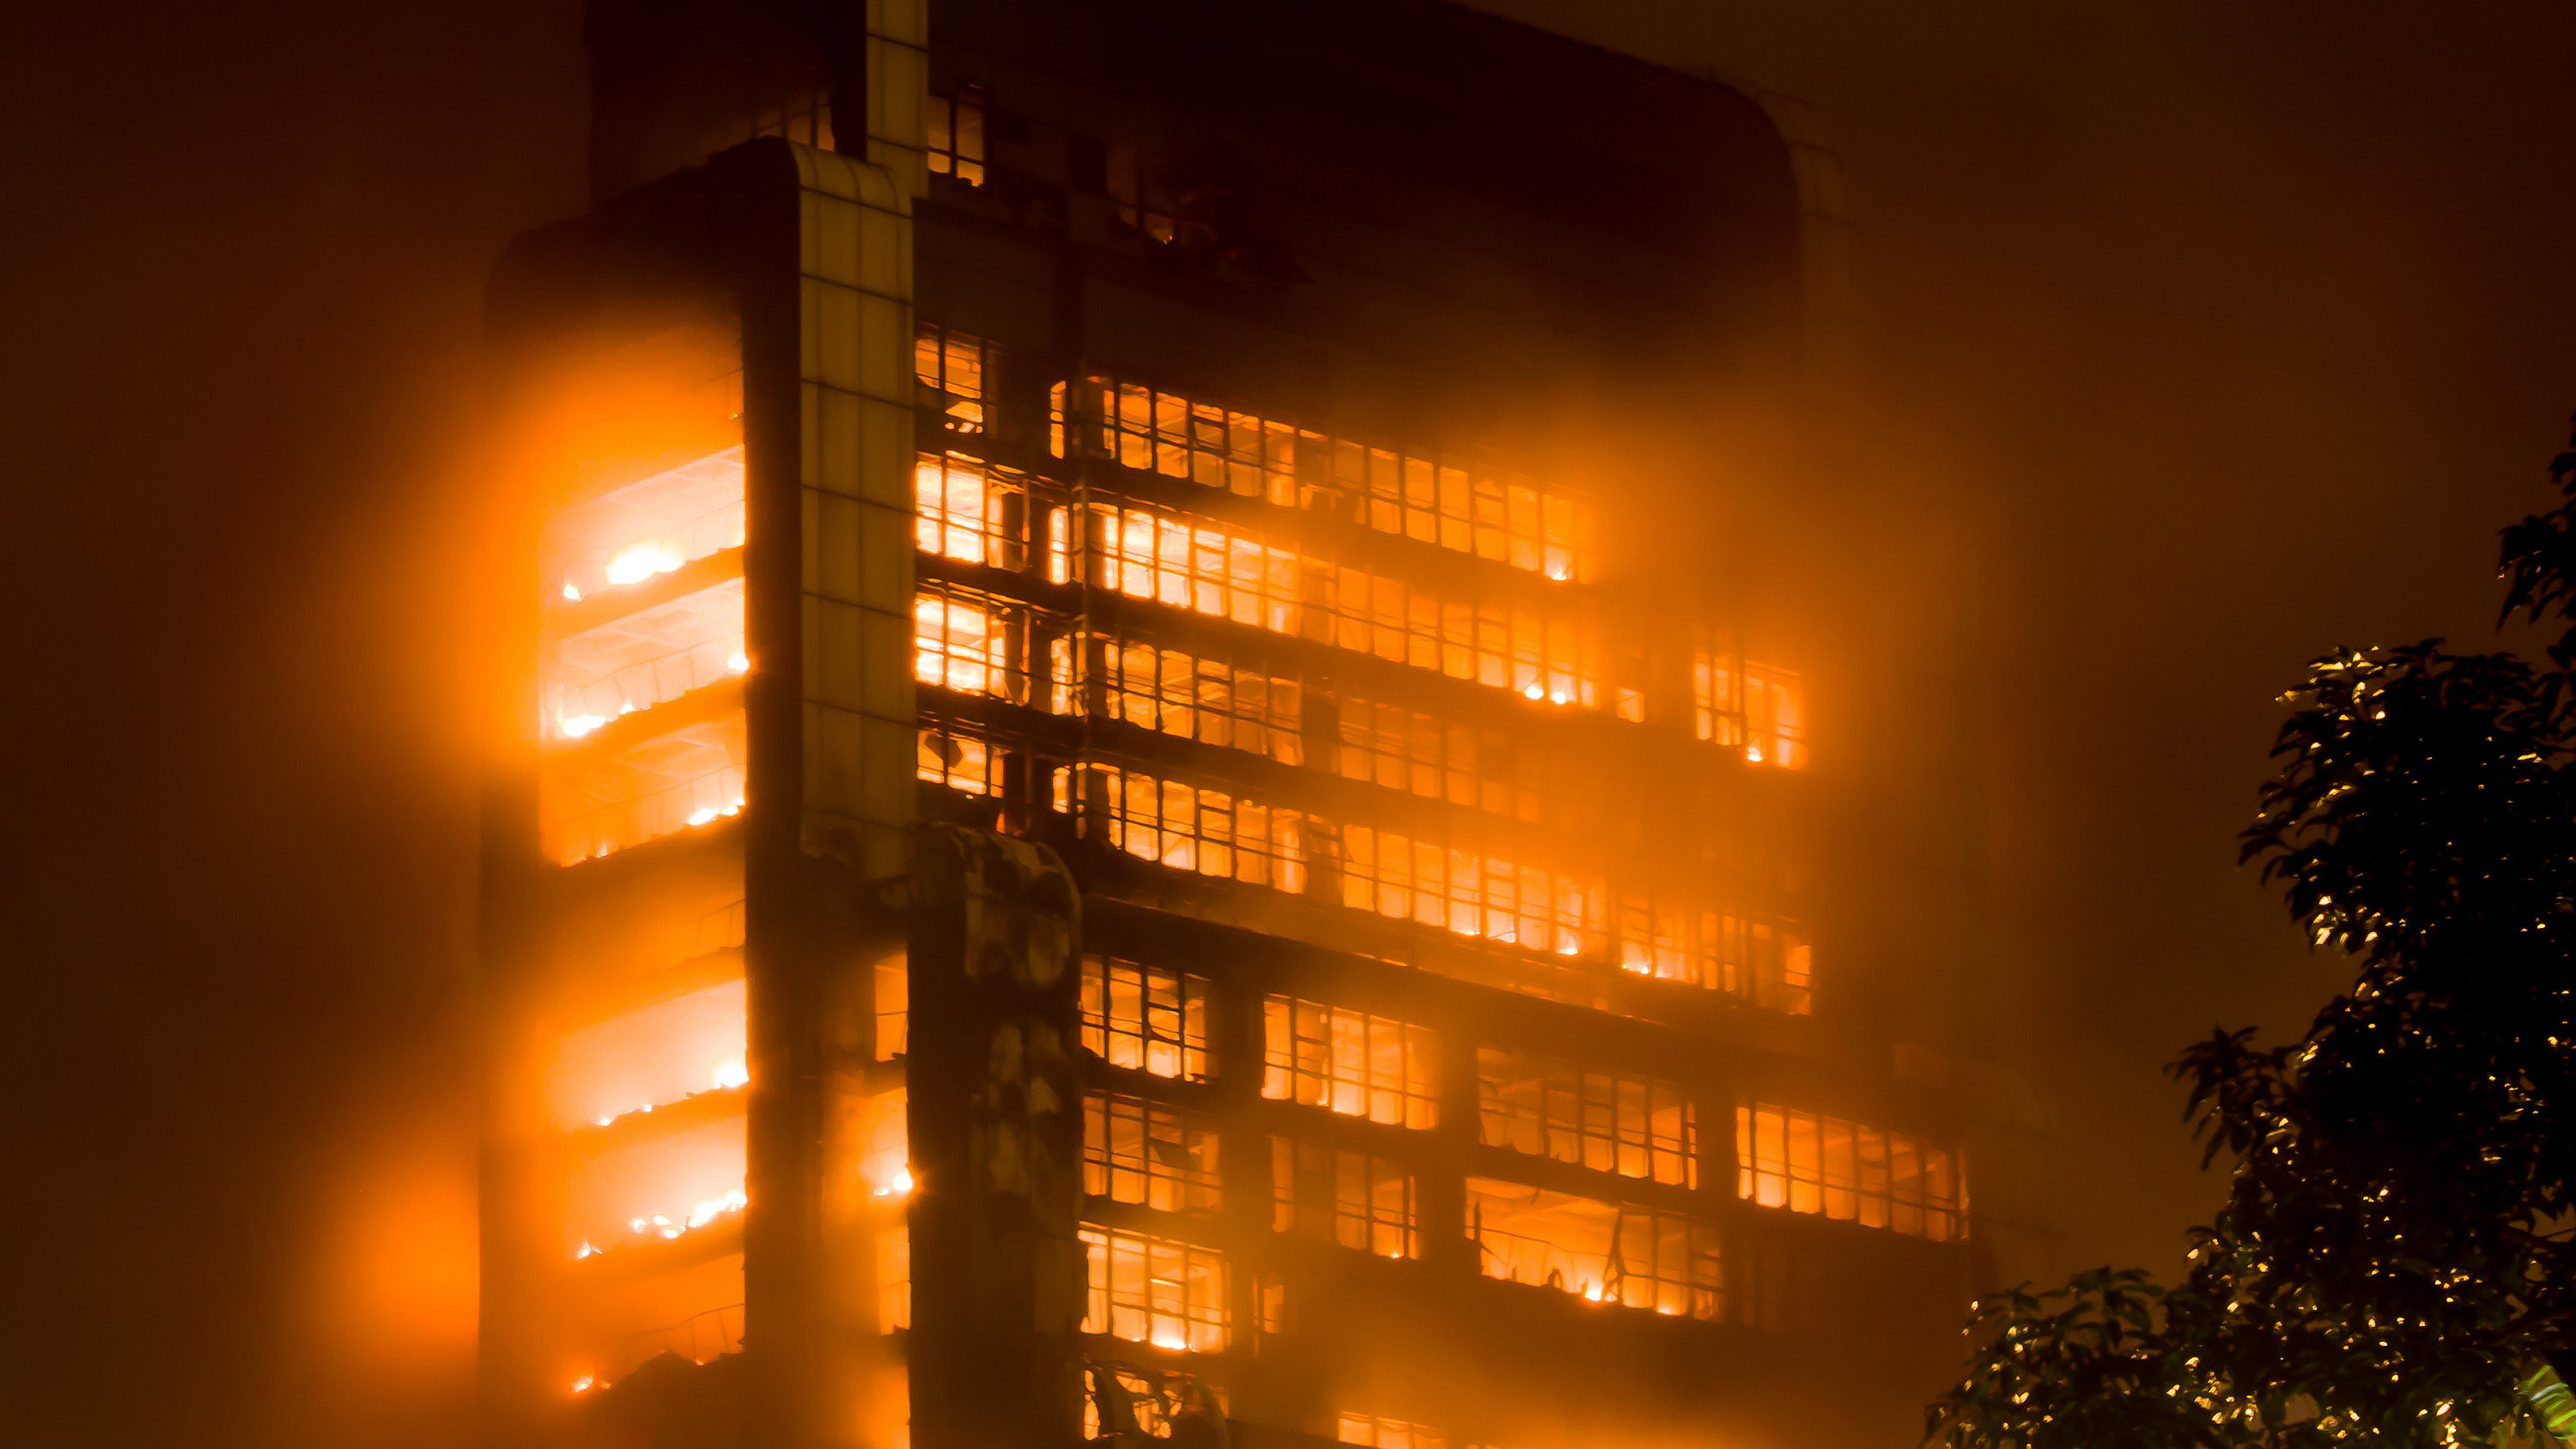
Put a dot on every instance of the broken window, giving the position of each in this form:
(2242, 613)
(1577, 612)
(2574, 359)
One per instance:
(1850, 1172)
(1600, 1251)
(1754, 708)
(1148, 1153)
(1344, 1197)
(959, 758)
(1770, 963)
(965, 513)
(1405, 749)
(953, 129)
(1154, 1290)
(1175, 692)
(1145, 1018)
(950, 367)
(1471, 894)
(1607, 1121)
(1350, 1062)
(1188, 827)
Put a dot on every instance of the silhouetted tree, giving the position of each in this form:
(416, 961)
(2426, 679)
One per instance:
(2393, 1258)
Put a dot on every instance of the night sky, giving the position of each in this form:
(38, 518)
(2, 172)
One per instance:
(2223, 333)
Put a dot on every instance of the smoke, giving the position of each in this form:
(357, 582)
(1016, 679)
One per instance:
(2197, 339)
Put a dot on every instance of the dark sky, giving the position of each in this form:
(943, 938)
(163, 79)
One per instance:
(2227, 333)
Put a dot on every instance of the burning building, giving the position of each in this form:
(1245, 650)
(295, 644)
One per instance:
(1163, 799)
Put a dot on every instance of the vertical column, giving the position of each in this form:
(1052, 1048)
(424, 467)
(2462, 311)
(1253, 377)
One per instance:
(996, 1133)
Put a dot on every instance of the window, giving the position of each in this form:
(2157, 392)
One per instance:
(954, 129)
(1173, 692)
(1148, 201)
(1750, 707)
(885, 1163)
(1607, 1121)
(1153, 1290)
(969, 642)
(1473, 895)
(950, 367)
(894, 1007)
(1350, 1062)
(1145, 1018)
(1381, 1433)
(1600, 1251)
(1549, 657)
(959, 759)
(894, 1278)
(1161, 432)
(1343, 1197)
(1188, 827)
(964, 514)
(1206, 569)
(1404, 749)
(1850, 1172)
(804, 117)
(1769, 963)
(1149, 1154)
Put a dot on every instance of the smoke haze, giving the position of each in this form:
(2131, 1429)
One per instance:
(2208, 336)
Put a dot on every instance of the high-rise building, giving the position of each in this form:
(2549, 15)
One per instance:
(1165, 786)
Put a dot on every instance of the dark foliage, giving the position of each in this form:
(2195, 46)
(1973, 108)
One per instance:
(2394, 1249)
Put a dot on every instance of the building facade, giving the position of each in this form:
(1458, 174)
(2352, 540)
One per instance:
(1173, 792)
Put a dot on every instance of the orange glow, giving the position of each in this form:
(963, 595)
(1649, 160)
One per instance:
(1753, 708)
(1350, 1062)
(1190, 827)
(653, 1057)
(1848, 1171)
(1597, 1251)
(1471, 894)
(1154, 1290)
(1145, 1018)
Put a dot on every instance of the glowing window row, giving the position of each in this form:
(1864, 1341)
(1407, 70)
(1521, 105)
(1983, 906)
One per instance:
(1351, 1062)
(1148, 1153)
(1188, 827)
(1770, 963)
(1750, 707)
(969, 642)
(1125, 1403)
(1154, 1290)
(1344, 1197)
(1215, 833)
(1849, 1172)
(1421, 754)
(1470, 511)
(1601, 1251)
(1145, 1018)
(1176, 692)
(1231, 574)
(950, 366)
(1606, 1121)
(1471, 894)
